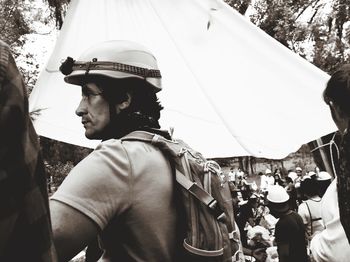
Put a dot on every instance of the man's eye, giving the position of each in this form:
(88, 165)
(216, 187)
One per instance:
(89, 94)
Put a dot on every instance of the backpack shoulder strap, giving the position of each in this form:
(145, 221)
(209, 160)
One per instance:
(192, 187)
(141, 136)
(308, 208)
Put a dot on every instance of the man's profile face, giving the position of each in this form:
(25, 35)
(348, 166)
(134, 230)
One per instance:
(94, 111)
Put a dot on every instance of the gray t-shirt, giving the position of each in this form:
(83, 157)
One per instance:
(126, 188)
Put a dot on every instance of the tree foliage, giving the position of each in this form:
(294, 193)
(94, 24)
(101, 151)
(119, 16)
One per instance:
(58, 9)
(318, 30)
(13, 23)
(16, 24)
(240, 5)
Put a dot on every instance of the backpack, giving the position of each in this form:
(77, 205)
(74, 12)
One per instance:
(211, 232)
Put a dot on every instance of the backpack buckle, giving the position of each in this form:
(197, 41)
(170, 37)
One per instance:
(216, 210)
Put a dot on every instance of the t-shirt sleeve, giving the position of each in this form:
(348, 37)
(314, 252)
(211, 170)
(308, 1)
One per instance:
(99, 186)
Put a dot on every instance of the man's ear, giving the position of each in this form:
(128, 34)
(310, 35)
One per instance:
(125, 104)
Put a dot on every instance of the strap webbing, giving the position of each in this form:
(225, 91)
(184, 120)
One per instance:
(194, 189)
(201, 252)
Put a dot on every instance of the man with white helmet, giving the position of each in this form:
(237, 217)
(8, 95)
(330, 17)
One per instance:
(292, 175)
(123, 191)
(290, 230)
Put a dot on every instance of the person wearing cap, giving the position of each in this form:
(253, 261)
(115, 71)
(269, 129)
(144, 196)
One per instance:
(299, 177)
(289, 230)
(292, 175)
(232, 175)
(263, 182)
(266, 180)
(269, 177)
(123, 192)
(297, 182)
(333, 243)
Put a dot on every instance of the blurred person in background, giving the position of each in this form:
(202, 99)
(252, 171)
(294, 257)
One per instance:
(332, 244)
(290, 230)
(292, 192)
(269, 177)
(310, 209)
(297, 182)
(247, 214)
(278, 179)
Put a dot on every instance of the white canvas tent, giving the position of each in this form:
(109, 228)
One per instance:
(229, 89)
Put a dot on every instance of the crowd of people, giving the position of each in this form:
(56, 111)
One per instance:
(120, 200)
(259, 208)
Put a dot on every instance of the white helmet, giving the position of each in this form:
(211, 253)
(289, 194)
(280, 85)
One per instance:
(114, 59)
(311, 173)
(277, 194)
(323, 175)
(292, 175)
(298, 169)
(306, 177)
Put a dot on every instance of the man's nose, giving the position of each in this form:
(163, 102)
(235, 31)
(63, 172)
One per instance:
(81, 109)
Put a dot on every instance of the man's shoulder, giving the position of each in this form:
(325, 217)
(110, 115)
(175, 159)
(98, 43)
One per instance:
(290, 220)
(142, 152)
(113, 145)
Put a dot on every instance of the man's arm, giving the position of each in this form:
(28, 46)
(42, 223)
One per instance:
(72, 230)
(283, 252)
(259, 254)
